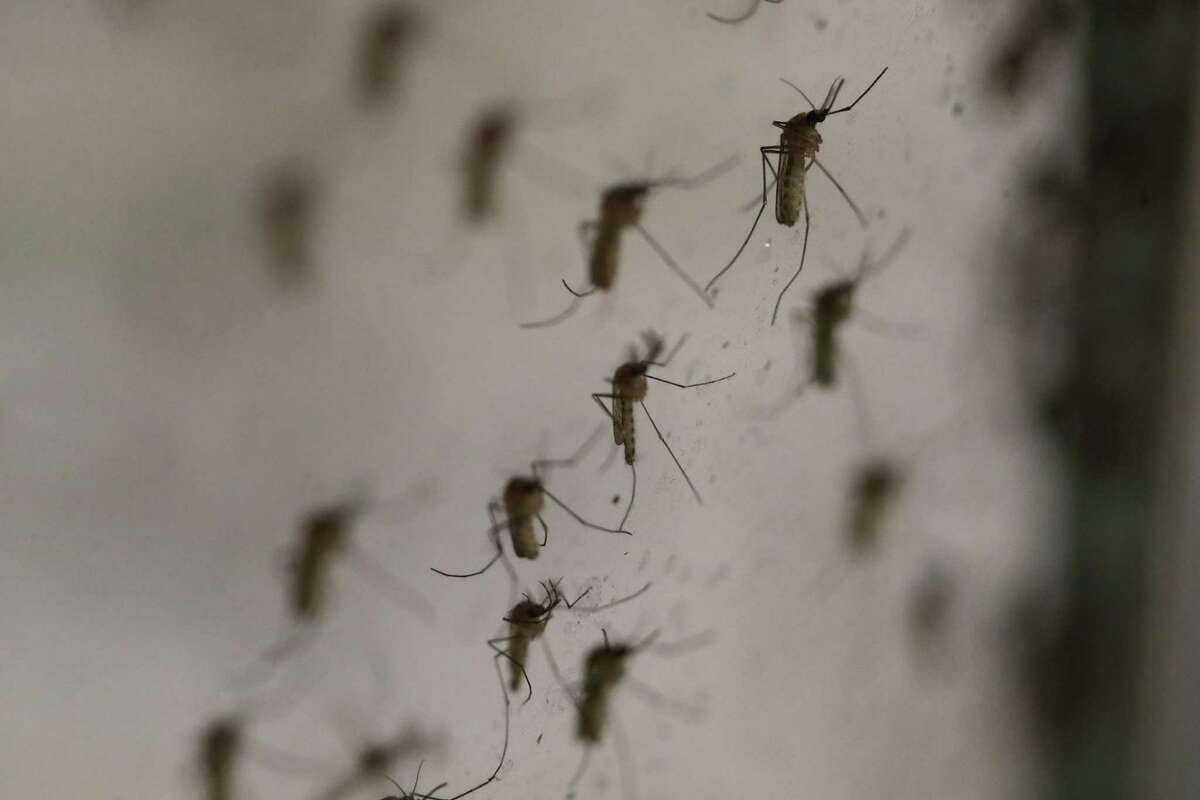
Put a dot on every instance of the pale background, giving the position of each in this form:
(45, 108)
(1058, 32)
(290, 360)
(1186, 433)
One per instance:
(167, 412)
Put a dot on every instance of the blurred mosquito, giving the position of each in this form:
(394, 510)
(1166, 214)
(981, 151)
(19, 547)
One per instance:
(797, 153)
(527, 622)
(628, 387)
(387, 34)
(604, 668)
(373, 762)
(750, 12)
(833, 305)
(489, 141)
(621, 208)
(522, 502)
(324, 539)
(288, 204)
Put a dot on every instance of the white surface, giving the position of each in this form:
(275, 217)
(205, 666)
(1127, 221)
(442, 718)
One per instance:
(167, 414)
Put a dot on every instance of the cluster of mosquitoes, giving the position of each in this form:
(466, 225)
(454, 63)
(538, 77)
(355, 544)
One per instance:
(287, 209)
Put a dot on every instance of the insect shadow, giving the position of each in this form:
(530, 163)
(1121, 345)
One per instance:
(749, 12)
(629, 387)
(522, 502)
(620, 209)
(527, 622)
(385, 38)
(799, 142)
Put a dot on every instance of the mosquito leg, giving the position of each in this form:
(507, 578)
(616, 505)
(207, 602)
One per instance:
(674, 267)
(492, 644)
(369, 567)
(689, 385)
(632, 495)
(740, 18)
(545, 529)
(543, 463)
(862, 220)
(763, 151)
(662, 439)
(803, 255)
(580, 519)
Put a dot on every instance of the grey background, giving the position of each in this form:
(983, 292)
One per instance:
(167, 412)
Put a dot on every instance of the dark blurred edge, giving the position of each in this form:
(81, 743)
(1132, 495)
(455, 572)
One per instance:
(1086, 673)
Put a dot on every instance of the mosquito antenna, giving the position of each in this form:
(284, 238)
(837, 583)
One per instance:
(831, 95)
(581, 520)
(861, 96)
(862, 219)
(801, 91)
(678, 270)
(799, 269)
(741, 18)
(654, 425)
(632, 494)
(614, 603)
(690, 385)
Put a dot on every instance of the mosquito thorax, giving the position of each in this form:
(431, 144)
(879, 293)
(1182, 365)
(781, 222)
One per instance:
(630, 381)
(221, 740)
(835, 302)
(523, 496)
(494, 129)
(622, 204)
(606, 665)
(325, 528)
(877, 481)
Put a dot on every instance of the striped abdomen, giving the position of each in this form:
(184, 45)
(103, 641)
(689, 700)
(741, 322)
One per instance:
(623, 427)
(524, 538)
(605, 256)
(789, 194)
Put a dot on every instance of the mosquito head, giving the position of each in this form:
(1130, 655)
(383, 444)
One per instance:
(834, 302)
(621, 205)
(220, 742)
(524, 496)
(630, 381)
(877, 481)
(606, 664)
(325, 528)
(494, 129)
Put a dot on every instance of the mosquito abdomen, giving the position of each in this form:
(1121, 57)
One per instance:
(627, 433)
(605, 256)
(517, 650)
(593, 713)
(789, 194)
(524, 538)
(824, 355)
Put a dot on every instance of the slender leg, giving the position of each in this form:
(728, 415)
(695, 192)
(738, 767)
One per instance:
(803, 255)
(682, 471)
(492, 644)
(632, 495)
(763, 151)
(674, 267)
(741, 17)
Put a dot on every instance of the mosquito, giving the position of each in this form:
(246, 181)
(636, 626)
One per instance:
(288, 204)
(604, 669)
(797, 153)
(386, 35)
(833, 305)
(325, 539)
(522, 502)
(629, 387)
(489, 141)
(621, 208)
(750, 12)
(527, 622)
